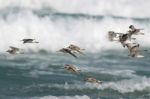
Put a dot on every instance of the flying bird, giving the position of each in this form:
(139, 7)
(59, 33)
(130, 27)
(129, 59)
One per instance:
(29, 41)
(134, 31)
(93, 80)
(69, 51)
(76, 49)
(13, 50)
(134, 50)
(72, 68)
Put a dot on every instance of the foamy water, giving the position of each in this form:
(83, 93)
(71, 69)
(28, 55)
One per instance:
(58, 23)
(64, 97)
(56, 32)
(96, 7)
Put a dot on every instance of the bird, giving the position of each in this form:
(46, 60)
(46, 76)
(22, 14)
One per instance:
(124, 38)
(29, 41)
(120, 37)
(13, 50)
(113, 36)
(67, 50)
(134, 50)
(134, 30)
(76, 49)
(72, 68)
(93, 80)
(127, 40)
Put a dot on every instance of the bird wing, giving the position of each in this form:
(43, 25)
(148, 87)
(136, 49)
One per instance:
(73, 69)
(111, 36)
(14, 48)
(73, 47)
(114, 36)
(26, 40)
(135, 32)
(79, 51)
(72, 53)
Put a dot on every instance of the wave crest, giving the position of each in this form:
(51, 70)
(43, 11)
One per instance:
(54, 32)
(93, 7)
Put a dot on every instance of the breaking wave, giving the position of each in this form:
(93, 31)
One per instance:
(123, 86)
(93, 7)
(63, 97)
(55, 25)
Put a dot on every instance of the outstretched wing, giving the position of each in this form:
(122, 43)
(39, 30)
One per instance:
(79, 51)
(135, 32)
(112, 36)
(27, 40)
(72, 54)
(14, 48)
(74, 47)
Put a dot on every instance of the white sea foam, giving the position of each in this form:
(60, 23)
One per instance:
(122, 86)
(122, 73)
(53, 35)
(131, 85)
(125, 8)
(63, 97)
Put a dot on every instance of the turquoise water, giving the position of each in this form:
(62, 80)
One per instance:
(41, 75)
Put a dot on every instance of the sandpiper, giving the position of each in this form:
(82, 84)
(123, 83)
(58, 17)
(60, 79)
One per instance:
(72, 68)
(76, 48)
(13, 50)
(67, 50)
(29, 41)
(126, 37)
(134, 50)
(93, 80)
(134, 30)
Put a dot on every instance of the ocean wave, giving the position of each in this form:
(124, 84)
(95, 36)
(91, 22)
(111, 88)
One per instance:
(62, 97)
(122, 73)
(122, 86)
(131, 85)
(93, 7)
(55, 33)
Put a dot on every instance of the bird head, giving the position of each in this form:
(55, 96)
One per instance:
(66, 67)
(131, 27)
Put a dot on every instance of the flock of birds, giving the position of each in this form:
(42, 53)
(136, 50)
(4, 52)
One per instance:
(15, 50)
(71, 49)
(124, 38)
(128, 41)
